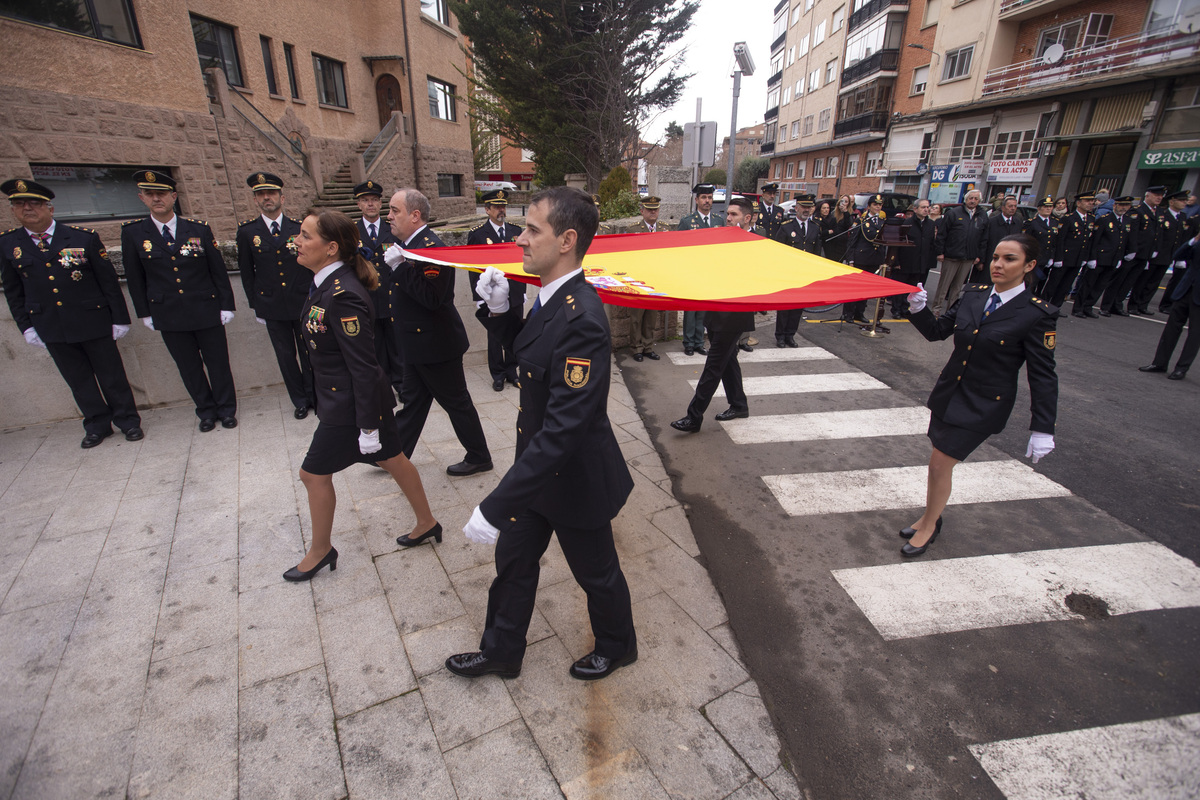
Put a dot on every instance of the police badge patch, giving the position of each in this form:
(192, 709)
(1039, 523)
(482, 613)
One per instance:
(1048, 339)
(257, 241)
(577, 372)
(350, 325)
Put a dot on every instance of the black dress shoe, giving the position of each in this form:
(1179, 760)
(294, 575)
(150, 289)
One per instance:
(467, 468)
(637, 357)
(790, 342)
(593, 667)
(1061, 315)
(731, 413)
(229, 422)
(1106, 313)
(295, 575)
(134, 435)
(1120, 312)
(908, 533)
(472, 665)
(687, 351)
(1087, 312)
(207, 425)
(861, 320)
(908, 551)
(300, 413)
(497, 384)
(779, 342)
(513, 380)
(93, 439)
(1152, 368)
(409, 541)
(1145, 312)
(1079, 314)
(650, 354)
(687, 425)
(701, 351)
(745, 347)
(1177, 375)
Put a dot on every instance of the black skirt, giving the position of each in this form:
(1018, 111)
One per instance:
(956, 442)
(335, 447)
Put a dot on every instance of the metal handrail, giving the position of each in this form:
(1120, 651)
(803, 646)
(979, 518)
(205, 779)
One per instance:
(257, 120)
(879, 61)
(868, 11)
(378, 143)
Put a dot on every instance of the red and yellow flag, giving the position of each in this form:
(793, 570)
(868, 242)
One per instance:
(725, 269)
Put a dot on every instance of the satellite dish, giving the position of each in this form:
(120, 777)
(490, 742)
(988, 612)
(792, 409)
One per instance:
(1190, 23)
(1054, 54)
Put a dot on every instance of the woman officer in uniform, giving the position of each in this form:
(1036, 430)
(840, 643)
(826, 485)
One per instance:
(996, 328)
(354, 398)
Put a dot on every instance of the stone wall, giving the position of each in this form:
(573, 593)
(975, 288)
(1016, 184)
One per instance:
(432, 160)
(674, 186)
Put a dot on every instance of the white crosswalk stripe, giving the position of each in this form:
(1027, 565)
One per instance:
(961, 594)
(1157, 759)
(861, 424)
(799, 384)
(761, 356)
(904, 487)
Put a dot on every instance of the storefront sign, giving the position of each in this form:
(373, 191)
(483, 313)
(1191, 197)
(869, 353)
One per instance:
(1012, 170)
(1177, 158)
(971, 169)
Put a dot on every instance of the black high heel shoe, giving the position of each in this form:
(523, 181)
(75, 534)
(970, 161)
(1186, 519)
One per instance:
(295, 575)
(908, 533)
(912, 552)
(408, 541)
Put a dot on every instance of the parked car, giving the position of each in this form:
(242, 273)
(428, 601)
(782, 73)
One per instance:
(491, 186)
(893, 202)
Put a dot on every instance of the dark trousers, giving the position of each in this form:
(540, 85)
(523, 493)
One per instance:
(387, 353)
(720, 367)
(1165, 303)
(197, 351)
(1122, 284)
(445, 382)
(1058, 283)
(1092, 284)
(592, 557)
(899, 302)
(1183, 311)
(502, 363)
(287, 339)
(96, 375)
(1146, 285)
(787, 322)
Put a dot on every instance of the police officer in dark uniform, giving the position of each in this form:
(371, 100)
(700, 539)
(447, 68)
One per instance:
(1076, 235)
(1172, 228)
(770, 215)
(866, 252)
(276, 286)
(432, 337)
(702, 217)
(803, 233)
(1113, 245)
(1143, 218)
(376, 235)
(569, 475)
(1043, 226)
(502, 364)
(64, 296)
(1185, 230)
(180, 288)
(1185, 309)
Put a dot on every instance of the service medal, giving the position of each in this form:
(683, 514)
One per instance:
(147, 246)
(258, 241)
(16, 252)
(291, 244)
(76, 275)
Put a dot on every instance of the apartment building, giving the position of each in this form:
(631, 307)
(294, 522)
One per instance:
(212, 90)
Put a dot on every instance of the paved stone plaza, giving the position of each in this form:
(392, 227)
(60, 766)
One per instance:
(152, 649)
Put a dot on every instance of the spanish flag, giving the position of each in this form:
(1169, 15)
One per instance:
(725, 269)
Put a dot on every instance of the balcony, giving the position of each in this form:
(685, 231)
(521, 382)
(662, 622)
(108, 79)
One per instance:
(771, 114)
(871, 9)
(883, 61)
(775, 79)
(1017, 10)
(871, 122)
(1143, 52)
(779, 42)
(766, 148)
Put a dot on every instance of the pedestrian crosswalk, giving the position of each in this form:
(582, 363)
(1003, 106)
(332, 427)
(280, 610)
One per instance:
(761, 356)
(859, 424)
(799, 384)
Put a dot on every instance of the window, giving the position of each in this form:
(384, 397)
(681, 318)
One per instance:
(111, 21)
(780, 27)
(800, 169)
(818, 168)
(814, 80)
(795, 19)
(885, 32)
(832, 167)
(824, 119)
(773, 98)
(1165, 15)
(791, 59)
(787, 95)
(969, 143)
(1098, 28)
(831, 71)
(873, 160)
(808, 125)
(441, 100)
(289, 61)
(920, 78)
(819, 37)
(958, 63)
(800, 87)
(331, 81)
(778, 169)
(866, 98)
(803, 45)
(790, 169)
(782, 134)
(269, 65)
(1066, 34)
(777, 63)
(839, 19)
(932, 12)
(795, 128)
(1015, 144)
(808, 4)
(436, 9)
(852, 166)
(449, 185)
(91, 192)
(217, 47)
(927, 149)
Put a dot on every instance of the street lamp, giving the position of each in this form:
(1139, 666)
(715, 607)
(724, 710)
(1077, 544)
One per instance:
(926, 49)
(745, 65)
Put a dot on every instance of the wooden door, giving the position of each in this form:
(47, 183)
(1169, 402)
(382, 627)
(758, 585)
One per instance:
(387, 95)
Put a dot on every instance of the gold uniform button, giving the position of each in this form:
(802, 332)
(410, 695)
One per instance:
(969, 347)
(333, 388)
(176, 269)
(519, 430)
(964, 363)
(172, 258)
(181, 291)
(52, 278)
(528, 374)
(59, 302)
(1001, 341)
(284, 284)
(56, 291)
(975, 331)
(179, 280)
(512, 519)
(959, 378)
(997, 397)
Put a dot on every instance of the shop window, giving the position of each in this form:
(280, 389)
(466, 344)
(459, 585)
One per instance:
(331, 81)
(112, 21)
(217, 47)
(958, 63)
(1106, 166)
(449, 185)
(92, 192)
(441, 100)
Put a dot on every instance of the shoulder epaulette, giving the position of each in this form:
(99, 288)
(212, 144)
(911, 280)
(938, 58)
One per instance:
(477, 227)
(197, 221)
(337, 287)
(10, 230)
(293, 219)
(130, 222)
(1046, 308)
(247, 222)
(977, 287)
(571, 307)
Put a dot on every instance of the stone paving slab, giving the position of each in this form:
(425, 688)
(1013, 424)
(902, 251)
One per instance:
(152, 649)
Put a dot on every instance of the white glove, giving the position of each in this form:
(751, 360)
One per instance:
(1091, 264)
(226, 317)
(479, 530)
(368, 441)
(393, 256)
(148, 322)
(918, 299)
(1129, 257)
(119, 331)
(1154, 254)
(493, 288)
(260, 320)
(32, 337)
(1180, 265)
(1040, 445)
(1054, 264)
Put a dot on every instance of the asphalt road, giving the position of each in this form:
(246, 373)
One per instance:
(862, 715)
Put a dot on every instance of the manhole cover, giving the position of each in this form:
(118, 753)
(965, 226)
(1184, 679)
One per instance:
(1087, 606)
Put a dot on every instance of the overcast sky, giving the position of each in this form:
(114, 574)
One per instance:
(719, 24)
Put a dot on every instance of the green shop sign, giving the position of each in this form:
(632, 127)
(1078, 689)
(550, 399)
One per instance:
(1185, 157)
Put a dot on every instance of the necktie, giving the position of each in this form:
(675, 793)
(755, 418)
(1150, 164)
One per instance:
(275, 228)
(993, 304)
(804, 229)
(502, 233)
(371, 231)
(537, 306)
(167, 237)
(42, 240)
(312, 290)
(706, 222)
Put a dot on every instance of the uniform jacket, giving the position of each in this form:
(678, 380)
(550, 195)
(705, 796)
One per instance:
(1113, 239)
(276, 286)
(382, 295)
(486, 234)
(867, 250)
(568, 465)
(1189, 284)
(1145, 229)
(921, 257)
(694, 221)
(339, 332)
(835, 236)
(1076, 237)
(183, 288)
(430, 329)
(964, 233)
(642, 227)
(978, 387)
(790, 232)
(1046, 233)
(772, 220)
(1173, 233)
(995, 230)
(69, 293)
